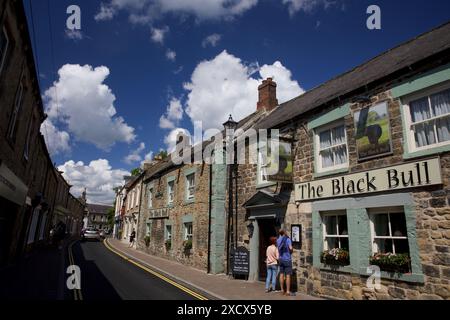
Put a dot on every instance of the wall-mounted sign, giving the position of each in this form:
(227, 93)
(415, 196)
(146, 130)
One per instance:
(159, 213)
(11, 187)
(282, 164)
(373, 134)
(410, 175)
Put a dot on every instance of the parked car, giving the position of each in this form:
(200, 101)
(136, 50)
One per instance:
(91, 234)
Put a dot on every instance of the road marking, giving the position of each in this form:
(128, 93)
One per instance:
(162, 277)
(77, 295)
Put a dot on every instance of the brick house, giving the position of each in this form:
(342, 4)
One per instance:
(371, 172)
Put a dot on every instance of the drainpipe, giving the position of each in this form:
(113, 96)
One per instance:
(208, 268)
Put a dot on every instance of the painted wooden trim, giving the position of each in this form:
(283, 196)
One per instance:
(330, 116)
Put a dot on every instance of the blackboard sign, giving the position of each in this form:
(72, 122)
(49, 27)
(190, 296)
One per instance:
(240, 261)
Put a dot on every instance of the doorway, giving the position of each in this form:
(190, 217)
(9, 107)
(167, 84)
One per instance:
(8, 213)
(267, 229)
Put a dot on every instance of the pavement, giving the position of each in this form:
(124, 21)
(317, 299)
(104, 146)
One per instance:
(210, 286)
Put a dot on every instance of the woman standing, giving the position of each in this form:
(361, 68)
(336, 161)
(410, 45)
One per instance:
(272, 264)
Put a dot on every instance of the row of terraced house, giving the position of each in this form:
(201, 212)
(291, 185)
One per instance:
(34, 196)
(366, 184)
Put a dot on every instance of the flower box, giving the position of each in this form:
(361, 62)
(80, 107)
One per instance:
(337, 256)
(168, 244)
(147, 241)
(389, 262)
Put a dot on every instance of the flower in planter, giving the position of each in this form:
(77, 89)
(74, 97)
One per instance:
(147, 240)
(399, 263)
(168, 244)
(187, 244)
(336, 256)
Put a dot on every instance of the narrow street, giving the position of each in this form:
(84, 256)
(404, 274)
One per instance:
(107, 276)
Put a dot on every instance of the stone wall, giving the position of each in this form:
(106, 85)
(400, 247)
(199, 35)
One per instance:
(181, 209)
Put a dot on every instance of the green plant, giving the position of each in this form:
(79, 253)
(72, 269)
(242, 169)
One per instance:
(147, 240)
(400, 263)
(336, 256)
(187, 245)
(168, 244)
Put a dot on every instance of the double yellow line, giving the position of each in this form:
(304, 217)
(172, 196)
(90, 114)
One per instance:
(77, 295)
(156, 274)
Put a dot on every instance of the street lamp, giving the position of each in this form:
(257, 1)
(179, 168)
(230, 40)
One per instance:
(230, 126)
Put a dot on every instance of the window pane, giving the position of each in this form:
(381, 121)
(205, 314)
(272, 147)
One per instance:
(340, 154)
(344, 244)
(325, 139)
(330, 223)
(440, 103)
(424, 134)
(398, 225)
(419, 110)
(327, 158)
(384, 245)
(381, 225)
(338, 135)
(401, 246)
(332, 243)
(342, 221)
(443, 129)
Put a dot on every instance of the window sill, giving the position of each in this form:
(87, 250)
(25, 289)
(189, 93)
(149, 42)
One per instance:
(404, 277)
(188, 201)
(326, 267)
(329, 173)
(265, 185)
(426, 152)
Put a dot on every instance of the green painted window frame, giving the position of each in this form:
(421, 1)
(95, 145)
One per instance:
(360, 245)
(148, 228)
(170, 179)
(404, 104)
(168, 223)
(188, 219)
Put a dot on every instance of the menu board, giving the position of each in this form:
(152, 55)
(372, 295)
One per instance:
(241, 261)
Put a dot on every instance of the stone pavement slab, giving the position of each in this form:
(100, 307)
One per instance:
(213, 286)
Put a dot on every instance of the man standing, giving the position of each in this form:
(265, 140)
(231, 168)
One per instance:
(284, 245)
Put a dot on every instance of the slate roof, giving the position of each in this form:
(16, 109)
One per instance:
(98, 208)
(394, 61)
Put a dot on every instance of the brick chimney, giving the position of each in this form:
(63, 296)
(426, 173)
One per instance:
(267, 92)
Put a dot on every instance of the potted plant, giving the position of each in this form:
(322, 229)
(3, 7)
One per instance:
(168, 244)
(147, 241)
(336, 256)
(398, 263)
(187, 244)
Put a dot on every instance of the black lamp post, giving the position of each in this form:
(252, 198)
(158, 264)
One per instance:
(230, 126)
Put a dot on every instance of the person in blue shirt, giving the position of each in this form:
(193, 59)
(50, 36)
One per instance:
(284, 245)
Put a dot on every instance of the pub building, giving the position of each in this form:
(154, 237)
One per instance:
(370, 186)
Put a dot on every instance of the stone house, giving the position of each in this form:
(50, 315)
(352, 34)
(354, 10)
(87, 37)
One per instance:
(371, 172)
(98, 216)
(132, 206)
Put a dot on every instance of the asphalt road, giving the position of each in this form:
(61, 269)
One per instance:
(107, 276)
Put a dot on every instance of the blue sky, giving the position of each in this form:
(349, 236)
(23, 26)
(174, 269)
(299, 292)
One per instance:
(312, 40)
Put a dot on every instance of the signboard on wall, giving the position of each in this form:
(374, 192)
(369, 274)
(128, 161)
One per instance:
(241, 261)
(280, 166)
(410, 175)
(373, 134)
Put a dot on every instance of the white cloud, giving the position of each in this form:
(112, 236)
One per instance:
(147, 11)
(74, 34)
(147, 158)
(173, 115)
(171, 55)
(107, 12)
(225, 85)
(171, 139)
(307, 5)
(57, 141)
(135, 155)
(85, 105)
(211, 40)
(158, 34)
(98, 177)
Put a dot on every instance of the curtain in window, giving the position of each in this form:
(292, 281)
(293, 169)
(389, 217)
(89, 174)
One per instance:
(440, 105)
(424, 132)
(420, 110)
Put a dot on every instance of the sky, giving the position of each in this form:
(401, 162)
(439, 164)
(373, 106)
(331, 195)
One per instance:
(137, 72)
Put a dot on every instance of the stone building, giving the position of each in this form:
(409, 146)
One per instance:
(29, 182)
(132, 206)
(98, 216)
(371, 172)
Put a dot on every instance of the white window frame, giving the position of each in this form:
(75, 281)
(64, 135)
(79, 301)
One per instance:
(18, 102)
(170, 192)
(148, 228)
(388, 211)
(186, 231)
(317, 155)
(3, 58)
(325, 235)
(261, 177)
(410, 138)
(138, 195)
(150, 197)
(168, 235)
(190, 189)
